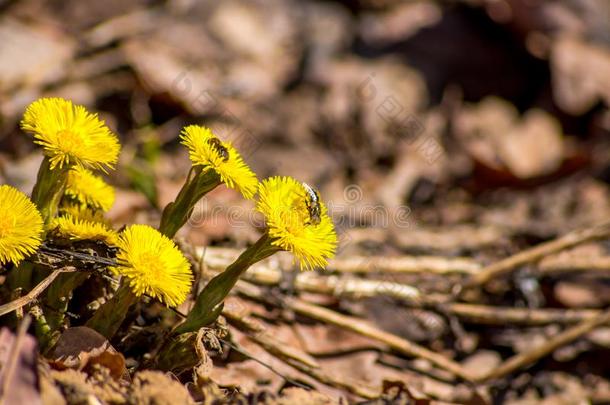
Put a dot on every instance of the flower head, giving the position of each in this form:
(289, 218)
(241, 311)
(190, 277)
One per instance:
(20, 225)
(70, 134)
(153, 264)
(74, 228)
(297, 221)
(206, 150)
(88, 189)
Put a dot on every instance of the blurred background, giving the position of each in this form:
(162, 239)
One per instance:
(474, 127)
(491, 113)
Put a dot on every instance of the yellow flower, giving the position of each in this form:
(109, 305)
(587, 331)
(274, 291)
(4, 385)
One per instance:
(88, 189)
(74, 228)
(70, 134)
(153, 264)
(296, 222)
(20, 226)
(206, 150)
(82, 212)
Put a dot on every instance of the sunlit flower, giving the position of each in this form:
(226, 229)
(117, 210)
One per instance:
(295, 222)
(74, 228)
(70, 134)
(206, 150)
(153, 265)
(21, 226)
(88, 189)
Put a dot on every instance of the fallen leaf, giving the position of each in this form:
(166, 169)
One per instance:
(81, 348)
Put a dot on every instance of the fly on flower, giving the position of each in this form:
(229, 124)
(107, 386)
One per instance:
(297, 220)
(313, 204)
(21, 226)
(70, 135)
(209, 152)
(214, 162)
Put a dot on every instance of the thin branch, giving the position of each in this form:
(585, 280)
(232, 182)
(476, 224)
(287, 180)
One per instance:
(488, 315)
(361, 327)
(524, 359)
(536, 253)
(36, 291)
(219, 258)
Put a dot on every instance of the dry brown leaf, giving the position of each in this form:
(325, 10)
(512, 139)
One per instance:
(81, 348)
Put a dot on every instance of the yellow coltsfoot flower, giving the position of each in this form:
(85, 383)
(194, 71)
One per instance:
(297, 220)
(214, 162)
(153, 265)
(70, 135)
(21, 226)
(209, 152)
(89, 190)
(74, 228)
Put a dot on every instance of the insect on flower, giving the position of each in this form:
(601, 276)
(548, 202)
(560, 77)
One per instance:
(313, 204)
(222, 151)
(290, 223)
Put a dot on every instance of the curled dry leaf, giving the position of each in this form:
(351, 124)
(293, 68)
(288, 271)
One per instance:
(81, 348)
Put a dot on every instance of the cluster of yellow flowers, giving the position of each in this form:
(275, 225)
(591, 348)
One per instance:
(69, 201)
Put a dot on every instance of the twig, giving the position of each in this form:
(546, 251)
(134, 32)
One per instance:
(29, 297)
(360, 327)
(404, 264)
(562, 265)
(9, 368)
(358, 388)
(488, 315)
(257, 333)
(523, 359)
(537, 252)
(337, 286)
(245, 353)
(219, 258)
(291, 355)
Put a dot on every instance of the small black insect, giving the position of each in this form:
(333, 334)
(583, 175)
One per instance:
(218, 146)
(313, 204)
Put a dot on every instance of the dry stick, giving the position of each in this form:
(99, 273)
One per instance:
(360, 327)
(334, 381)
(354, 287)
(488, 315)
(9, 368)
(571, 264)
(293, 356)
(337, 286)
(35, 292)
(404, 264)
(219, 258)
(523, 359)
(258, 333)
(537, 252)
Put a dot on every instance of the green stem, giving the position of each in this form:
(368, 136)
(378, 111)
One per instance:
(47, 192)
(109, 317)
(58, 296)
(209, 302)
(177, 213)
(49, 188)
